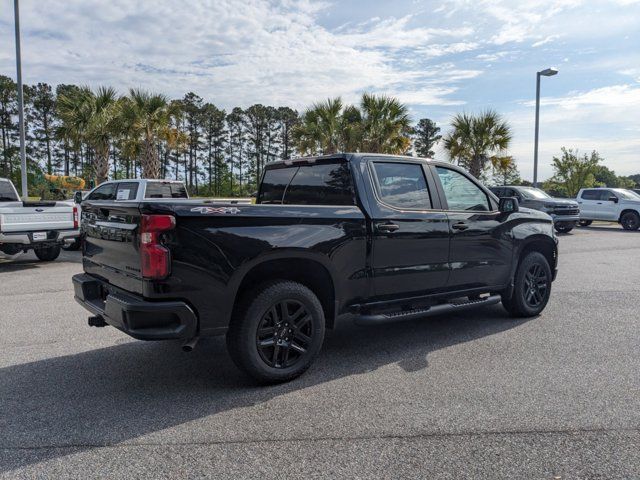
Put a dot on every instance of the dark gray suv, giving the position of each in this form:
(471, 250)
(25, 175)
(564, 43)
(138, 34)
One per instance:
(565, 212)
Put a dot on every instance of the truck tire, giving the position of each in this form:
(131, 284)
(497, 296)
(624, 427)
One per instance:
(585, 223)
(532, 286)
(72, 247)
(630, 221)
(47, 253)
(276, 333)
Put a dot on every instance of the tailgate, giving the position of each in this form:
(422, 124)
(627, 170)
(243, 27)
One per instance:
(19, 217)
(111, 243)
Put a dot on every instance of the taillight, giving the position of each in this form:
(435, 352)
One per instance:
(75, 218)
(155, 257)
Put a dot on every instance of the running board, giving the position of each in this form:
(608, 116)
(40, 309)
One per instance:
(425, 312)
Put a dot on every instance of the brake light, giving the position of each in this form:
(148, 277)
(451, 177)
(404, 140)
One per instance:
(75, 218)
(155, 257)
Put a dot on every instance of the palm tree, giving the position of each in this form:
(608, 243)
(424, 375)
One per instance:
(386, 124)
(320, 129)
(475, 138)
(91, 117)
(145, 117)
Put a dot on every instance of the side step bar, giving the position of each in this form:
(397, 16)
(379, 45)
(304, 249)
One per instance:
(425, 312)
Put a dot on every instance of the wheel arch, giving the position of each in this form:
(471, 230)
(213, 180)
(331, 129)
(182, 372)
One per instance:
(539, 243)
(309, 270)
(627, 210)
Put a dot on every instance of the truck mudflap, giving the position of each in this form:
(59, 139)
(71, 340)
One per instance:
(132, 314)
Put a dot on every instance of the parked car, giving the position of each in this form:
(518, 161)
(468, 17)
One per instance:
(372, 237)
(41, 226)
(610, 205)
(129, 189)
(565, 213)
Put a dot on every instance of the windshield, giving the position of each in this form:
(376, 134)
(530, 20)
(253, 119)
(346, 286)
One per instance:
(7, 193)
(533, 193)
(626, 194)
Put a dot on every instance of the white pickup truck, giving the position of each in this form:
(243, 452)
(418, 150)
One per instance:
(610, 205)
(41, 226)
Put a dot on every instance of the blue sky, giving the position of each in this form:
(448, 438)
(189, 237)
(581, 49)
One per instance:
(440, 58)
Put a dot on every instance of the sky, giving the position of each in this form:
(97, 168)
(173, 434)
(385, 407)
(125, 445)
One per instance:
(439, 58)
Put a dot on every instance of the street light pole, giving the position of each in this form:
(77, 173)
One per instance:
(23, 154)
(548, 72)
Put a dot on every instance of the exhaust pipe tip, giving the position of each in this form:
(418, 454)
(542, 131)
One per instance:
(190, 344)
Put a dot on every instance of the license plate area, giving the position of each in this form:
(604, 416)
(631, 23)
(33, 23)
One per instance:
(39, 236)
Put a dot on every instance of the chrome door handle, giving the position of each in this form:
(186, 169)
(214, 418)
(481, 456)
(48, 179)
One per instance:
(460, 226)
(387, 227)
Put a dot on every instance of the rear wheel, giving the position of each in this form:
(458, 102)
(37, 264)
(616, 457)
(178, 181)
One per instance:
(585, 223)
(630, 221)
(276, 334)
(47, 253)
(532, 287)
(72, 247)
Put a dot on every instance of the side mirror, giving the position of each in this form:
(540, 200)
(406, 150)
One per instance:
(508, 205)
(77, 197)
(613, 199)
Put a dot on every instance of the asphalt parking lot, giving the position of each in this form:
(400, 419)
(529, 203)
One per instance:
(472, 396)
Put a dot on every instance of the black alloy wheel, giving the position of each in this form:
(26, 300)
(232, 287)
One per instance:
(276, 331)
(284, 334)
(630, 221)
(535, 285)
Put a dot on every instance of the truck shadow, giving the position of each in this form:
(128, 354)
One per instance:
(116, 394)
(28, 261)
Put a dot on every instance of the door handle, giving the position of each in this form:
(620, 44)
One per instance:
(387, 227)
(460, 226)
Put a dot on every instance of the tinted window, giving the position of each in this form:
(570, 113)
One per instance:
(126, 191)
(498, 191)
(461, 193)
(274, 183)
(606, 195)
(7, 193)
(104, 192)
(590, 195)
(165, 190)
(328, 184)
(402, 185)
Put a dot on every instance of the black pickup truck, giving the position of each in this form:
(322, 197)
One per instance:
(370, 237)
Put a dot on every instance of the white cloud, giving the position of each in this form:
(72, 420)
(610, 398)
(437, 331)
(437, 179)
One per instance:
(547, 39)
(231, 52)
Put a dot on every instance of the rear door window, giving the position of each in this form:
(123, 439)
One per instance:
(126, 191)
(402, 185)
(590, 195)
(103, 192)
(165, 190)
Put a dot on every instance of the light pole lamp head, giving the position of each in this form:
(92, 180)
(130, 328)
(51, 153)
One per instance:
(548, 72)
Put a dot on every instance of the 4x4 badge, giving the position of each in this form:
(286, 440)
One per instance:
(222, 210)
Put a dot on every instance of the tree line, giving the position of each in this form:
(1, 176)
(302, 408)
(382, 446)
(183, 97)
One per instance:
(99, 134)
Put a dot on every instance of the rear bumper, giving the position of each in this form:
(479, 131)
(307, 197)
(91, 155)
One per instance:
(53, 236)
(132, 314)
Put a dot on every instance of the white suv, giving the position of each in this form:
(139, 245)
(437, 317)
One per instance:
(609, 205)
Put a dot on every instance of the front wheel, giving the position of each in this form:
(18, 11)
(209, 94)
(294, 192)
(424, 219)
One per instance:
(532, 287)
(585, 223)
(276, 334)
(630, 221)
(47, 253)
(563, 228)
